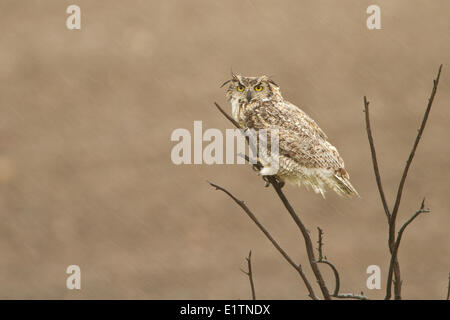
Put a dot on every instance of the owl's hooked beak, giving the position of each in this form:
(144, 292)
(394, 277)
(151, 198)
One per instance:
(249, 96)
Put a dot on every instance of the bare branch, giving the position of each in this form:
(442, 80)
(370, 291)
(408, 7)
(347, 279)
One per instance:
(298, 268)
(250, 274)
(336, 277)
(308, 243)
(227, 116)
(392, 216)
(416, 143)
(323, 259)
(374, 160)
(393, 219)
(351, 296)
(379, 184)
(320, 243)
(397, 245)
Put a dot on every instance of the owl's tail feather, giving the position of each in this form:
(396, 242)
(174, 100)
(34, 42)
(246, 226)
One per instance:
(343, 187)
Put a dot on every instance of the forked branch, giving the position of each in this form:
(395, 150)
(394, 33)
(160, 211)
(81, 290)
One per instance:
(374, 160)
(249, 273)
(394, 243)
(397, 243)
(323, 259)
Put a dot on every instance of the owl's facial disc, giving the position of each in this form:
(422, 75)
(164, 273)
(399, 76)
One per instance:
(250, 89)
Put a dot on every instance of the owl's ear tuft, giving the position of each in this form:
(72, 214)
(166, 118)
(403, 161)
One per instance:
(233, 75)
(228, 81)
(273, 82)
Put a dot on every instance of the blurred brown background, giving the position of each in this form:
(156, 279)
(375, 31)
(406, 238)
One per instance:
(86, 117)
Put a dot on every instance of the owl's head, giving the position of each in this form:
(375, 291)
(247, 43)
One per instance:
(250, 89)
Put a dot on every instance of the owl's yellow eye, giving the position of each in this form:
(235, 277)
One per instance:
(258, 87)
(240, 88)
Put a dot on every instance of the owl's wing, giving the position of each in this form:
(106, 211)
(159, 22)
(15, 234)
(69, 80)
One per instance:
(300, 138)
(309, 151)
(302, 116)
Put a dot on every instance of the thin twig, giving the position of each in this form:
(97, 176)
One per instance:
(416, 143)
(249, 273)
(351, 296)
(323, 259)
(320, 243)
(336, 276)
(227, 116)
(374, 159)
(379, 184)
(393, 219)
(397, 244)
(298, 268)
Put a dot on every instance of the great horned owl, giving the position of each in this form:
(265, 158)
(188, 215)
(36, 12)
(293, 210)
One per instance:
(305, 155)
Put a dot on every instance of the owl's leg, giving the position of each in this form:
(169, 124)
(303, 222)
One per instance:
(267, 181)
(257, 168)
(270, 170)
(280, 182)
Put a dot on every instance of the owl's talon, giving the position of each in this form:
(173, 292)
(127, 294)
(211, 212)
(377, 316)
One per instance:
(279, 181)
(266, 180)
